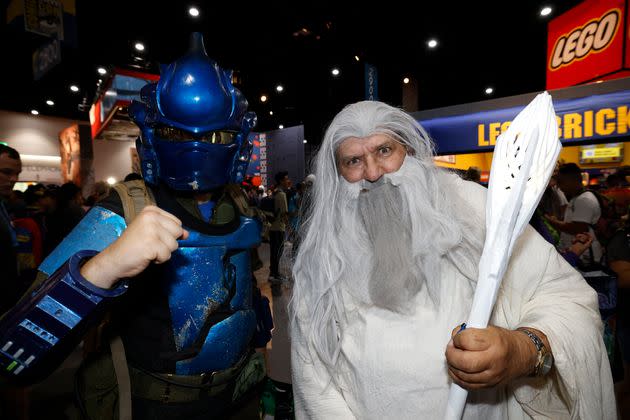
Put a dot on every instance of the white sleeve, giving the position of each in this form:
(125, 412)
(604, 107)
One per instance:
(564, 307)
(562, 199)
(586, 209)
(315, 395)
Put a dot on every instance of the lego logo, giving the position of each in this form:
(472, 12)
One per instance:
(595, 36)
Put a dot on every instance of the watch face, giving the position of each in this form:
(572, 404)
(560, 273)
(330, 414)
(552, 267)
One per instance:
(547, 363)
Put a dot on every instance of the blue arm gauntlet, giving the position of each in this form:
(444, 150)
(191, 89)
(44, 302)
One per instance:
(41, 330)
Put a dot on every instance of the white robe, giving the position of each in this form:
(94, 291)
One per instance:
(394, 367)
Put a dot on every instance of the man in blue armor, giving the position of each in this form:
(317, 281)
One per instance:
(168, 258)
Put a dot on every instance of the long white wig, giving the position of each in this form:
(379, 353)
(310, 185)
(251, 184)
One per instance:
(317, 306)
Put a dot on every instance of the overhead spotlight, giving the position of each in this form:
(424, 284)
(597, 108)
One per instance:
(139, 46)
(281, 126)
(489, 91)
(335, 72)
(406, 80)
(304, 141)
(111, 180)
(193, 11)
(279, 88)
(545, 11)
(263, 98)
(432, 43)
(270, 112)
(74, 88)
(34, 112)
(50, 102)
(111, 93)
(101, 70)
(599, 81)
(356, 57)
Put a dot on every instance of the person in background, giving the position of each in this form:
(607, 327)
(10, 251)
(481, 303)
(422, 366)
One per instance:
(618, 191)
(473, 174)
(67, 215)
(582, 212)
(99, 192)
(278, 228)
(10, 168)
(294, 202)
(618, 255)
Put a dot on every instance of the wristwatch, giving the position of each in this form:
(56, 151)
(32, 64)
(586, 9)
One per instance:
(544, 362)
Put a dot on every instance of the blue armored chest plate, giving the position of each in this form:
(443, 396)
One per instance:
(207, 276)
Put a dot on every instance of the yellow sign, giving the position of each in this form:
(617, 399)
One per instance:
(601, 153)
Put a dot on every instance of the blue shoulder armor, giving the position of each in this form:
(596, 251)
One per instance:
(99, 228)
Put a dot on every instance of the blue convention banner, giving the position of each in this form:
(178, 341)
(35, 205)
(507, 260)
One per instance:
(371, 82)
(583, 119)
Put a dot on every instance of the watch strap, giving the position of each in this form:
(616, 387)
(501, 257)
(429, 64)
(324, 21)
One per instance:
(540, 349)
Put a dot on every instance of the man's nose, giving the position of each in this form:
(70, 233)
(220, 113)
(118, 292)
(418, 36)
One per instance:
(373, 172)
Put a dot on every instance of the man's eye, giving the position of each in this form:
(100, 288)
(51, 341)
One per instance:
(385, 150)
(353, 162)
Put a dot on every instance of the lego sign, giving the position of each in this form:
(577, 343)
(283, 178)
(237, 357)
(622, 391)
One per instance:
(586, 43)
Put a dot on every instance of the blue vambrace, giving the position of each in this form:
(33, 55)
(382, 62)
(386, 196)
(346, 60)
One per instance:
(39, 332)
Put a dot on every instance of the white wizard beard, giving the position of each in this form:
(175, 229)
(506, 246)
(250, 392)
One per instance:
(387, 262)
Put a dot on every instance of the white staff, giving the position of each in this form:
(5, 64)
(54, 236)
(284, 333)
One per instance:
(524, 159)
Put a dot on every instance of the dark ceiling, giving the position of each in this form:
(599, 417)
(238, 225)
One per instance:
(498, 44)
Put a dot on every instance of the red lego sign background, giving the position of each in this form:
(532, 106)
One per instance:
(587, 43)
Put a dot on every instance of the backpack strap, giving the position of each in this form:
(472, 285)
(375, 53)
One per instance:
(134, 196)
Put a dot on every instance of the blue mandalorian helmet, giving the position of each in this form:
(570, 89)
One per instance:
(194, 125)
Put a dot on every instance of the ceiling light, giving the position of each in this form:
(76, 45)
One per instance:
(74, 88)
(598, 81)
(50, 102)
(406, 80)
(279, 88)
(111, 180)
(263, 98)
(111, 93)
(34, 112)
(193, 11)
(545, 11)
(356, 57)
(281, 126)
(304, 141)
(335, 72)
(432, 43)
(489, 91)
(101, 70)
(139, 46)
(270, 112)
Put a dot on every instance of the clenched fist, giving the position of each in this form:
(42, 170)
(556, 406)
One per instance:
(482, 358)
(150, 238)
